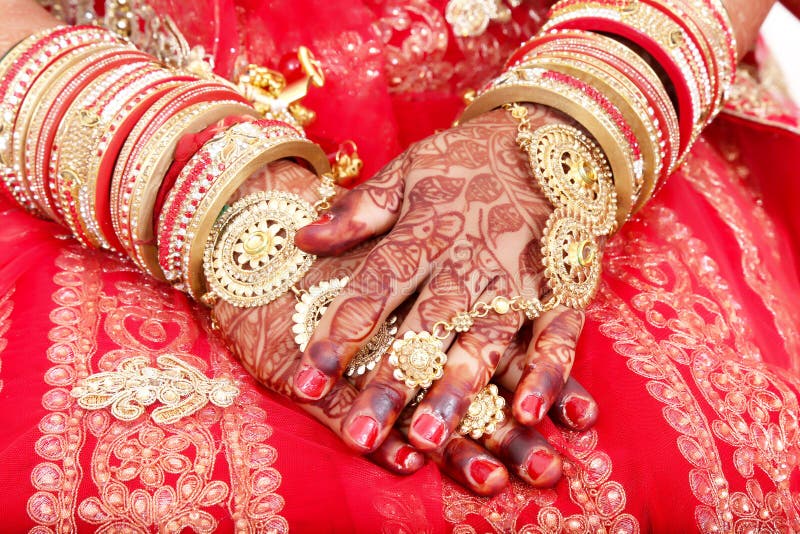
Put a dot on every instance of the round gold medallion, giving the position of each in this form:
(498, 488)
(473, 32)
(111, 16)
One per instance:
(571, 257)
(251, 258)
(572, 171)
(418, 359)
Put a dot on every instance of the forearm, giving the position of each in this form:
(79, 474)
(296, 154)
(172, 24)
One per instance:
(20, 19)
(747, 16)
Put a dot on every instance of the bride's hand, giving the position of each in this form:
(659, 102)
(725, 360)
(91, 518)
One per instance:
(263, 339)
(464, 221)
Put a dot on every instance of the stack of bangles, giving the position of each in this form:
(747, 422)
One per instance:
(145, 161)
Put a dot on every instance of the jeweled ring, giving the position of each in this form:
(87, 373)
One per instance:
(418, 359)
(485, 412)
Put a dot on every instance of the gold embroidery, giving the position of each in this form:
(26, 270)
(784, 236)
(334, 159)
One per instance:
(144, 474)
(701, 172)
(6, 307)
(415, 38)
(181, 388)
(752, 100)
(755, 412)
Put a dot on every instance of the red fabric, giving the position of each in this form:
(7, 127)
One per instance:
(691, 348)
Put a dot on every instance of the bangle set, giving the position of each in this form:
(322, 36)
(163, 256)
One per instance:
(582, 63)
(88, 131)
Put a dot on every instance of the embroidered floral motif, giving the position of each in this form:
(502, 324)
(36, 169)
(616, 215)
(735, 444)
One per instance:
(416, 38)
(145, 474)
(181, 389)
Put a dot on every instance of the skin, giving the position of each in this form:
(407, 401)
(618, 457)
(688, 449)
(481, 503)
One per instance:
(262, 338)
(458, 236)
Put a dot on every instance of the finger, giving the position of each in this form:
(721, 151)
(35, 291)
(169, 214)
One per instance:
(469, 464)
(525, 452)
(394, 453)
(574, 407)
(549, 362)
(384, 397)
(390, 273)
(366, 211)
(471, 362)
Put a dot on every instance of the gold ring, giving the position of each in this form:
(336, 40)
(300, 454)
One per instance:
(484, 414)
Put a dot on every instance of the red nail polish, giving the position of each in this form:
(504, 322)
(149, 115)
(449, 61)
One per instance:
(311, 382)
(324, 219)
(539, 462)
(363, 430)
(408, 458)
(576, 409)
(481, 470)
(429, 428)
(533, 405)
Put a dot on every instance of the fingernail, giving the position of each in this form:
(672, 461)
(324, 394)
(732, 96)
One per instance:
(534, 406)
(408, 458)
(542, 466)
(578, 410)
(429, 428)
(311, 382)
(324, 219)
(481, 470)
(363, 430)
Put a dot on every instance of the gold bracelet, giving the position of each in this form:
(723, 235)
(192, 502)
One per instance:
(520, 84)
(136, 182)
(213, 175)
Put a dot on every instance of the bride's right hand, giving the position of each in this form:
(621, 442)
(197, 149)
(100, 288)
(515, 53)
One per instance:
(262, 338)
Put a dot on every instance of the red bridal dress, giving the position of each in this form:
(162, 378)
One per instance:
(691, 348)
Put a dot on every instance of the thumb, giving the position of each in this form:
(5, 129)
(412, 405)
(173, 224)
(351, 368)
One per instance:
(366, 211)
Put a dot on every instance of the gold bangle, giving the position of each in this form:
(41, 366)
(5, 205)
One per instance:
(136, 183)
(528, 85)
(45, 120)
(79, 138)
(671, 38)
(628, 65)
(242, 149)
(29, 111)
(626, 98)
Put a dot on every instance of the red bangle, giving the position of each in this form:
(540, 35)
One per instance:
(57, 101)
(659, 36)
(111, 144)
(19, 79)
(75, 147)
(147, 154)
(187, 147)
(631, 66)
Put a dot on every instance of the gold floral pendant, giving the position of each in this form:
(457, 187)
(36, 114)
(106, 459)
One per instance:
(418, 359)
(573, 172)
(485, 412)
(571, 257)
